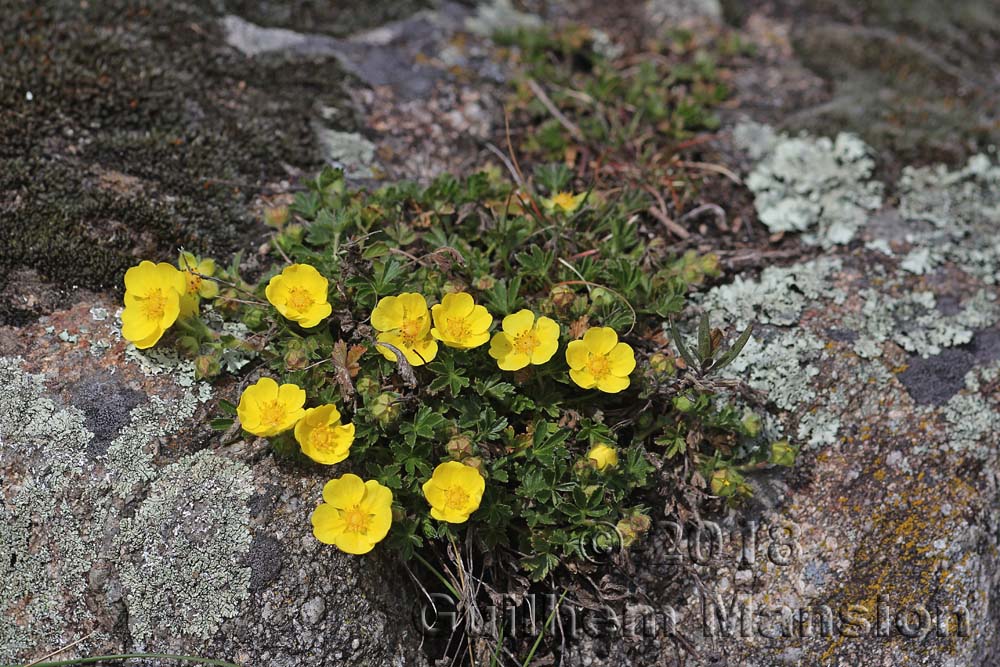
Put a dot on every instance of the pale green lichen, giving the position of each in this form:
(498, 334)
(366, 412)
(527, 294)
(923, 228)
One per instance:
(914, 322)
(962, 209)
(129, 458)
(781, 366)
(974, 418)
(499, 15)
(185, 546)
(43, 551)
(778, 296)
(818, 186)
(348, 150)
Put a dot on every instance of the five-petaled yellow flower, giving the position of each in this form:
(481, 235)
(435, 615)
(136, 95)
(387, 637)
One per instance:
(599, 360)
(524, 340)
(300, 294)
(454, 492)
(565, 202)
(322, 437)
(152, 302)
(460, 323)
(602, 457)
(405, 323)
(356, 516)
(266, 409)
(196, 287)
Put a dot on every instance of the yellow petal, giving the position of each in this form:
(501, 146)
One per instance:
(611, 384)
(327, 524)
(139, 279)
(135, 325)
(265, 389)
(345, 491)
(292, 396)
(519, 322)
(392, 338)
(316, 314)
(577, 354)
(376, 496)
(546, 349)
(500, 346)
(422, 352)
(458, 305)
(622, 359)
(479, 320)
(600, 340)
(414, 305)
(354, 543)
(582, 378)
(150, 340)
(388, 314)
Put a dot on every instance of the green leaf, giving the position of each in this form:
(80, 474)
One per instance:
(681, 348)
(733, 352)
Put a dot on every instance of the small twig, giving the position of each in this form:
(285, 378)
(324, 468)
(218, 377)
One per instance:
(507, 163)
(668, 223)
(711, 166)
(720, 215)
(405, 369)
(60, 650)
(546, 101)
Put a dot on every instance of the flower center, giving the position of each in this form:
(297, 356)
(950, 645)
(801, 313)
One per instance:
(300, 299)
(410, 328)
(525, 342)
(356, 520)
(598, 365)
(456, 498)
(322, 438)
(154, 304)
(272, 412)
(563, 200)
(457, 327)
(194, 283)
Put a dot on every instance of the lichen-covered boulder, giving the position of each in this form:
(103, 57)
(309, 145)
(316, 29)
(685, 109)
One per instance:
(881, 359)
(123, 519)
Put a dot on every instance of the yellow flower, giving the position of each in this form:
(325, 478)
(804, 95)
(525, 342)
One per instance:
(459, 322)
(152, 302)
(266, 409)
(197, 287)
(299, 293)
(322, 437)
(599, 360)
(524, 341)
(602, 457)
(356, 516)
(454, 492)
(565, 202)
(405, 323)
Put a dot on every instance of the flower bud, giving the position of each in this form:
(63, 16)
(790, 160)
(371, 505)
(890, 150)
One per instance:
(459, 447)
(206, 366)
(385, 409)
(782, 453)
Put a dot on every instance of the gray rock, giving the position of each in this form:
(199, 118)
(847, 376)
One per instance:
(164, 541)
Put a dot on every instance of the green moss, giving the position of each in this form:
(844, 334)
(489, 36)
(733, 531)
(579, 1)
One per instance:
(129, 131)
